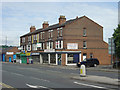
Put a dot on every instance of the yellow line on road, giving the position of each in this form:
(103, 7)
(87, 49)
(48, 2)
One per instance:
(7, 86)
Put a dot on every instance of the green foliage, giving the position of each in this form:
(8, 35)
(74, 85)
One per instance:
(116, 36)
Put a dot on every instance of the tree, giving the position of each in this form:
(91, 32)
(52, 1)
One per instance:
(116, 37)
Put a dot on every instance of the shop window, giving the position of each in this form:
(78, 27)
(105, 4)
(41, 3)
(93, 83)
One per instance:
(73, 58)
(84, 44)
(59, 44)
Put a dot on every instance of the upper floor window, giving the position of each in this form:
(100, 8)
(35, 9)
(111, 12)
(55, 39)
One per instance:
(58, 32)
(28, 47)
(35, 37)
(84, 31)
(61, 31)
(84, 44)
(34, 46)
(29, 38)
(50, 33)
(23, 39)
(42, 35)
(49, 45)
(59, 44)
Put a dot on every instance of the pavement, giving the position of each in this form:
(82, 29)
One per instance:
(98, 79)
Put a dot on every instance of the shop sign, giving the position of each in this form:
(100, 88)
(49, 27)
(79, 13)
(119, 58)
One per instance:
(19, 48)
(72, 45)
(9, 53)
(49, 50)
(35, 54)
(18, 52)
(39, 44)
(28, 54)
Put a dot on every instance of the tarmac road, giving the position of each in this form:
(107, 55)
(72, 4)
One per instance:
(38, 76)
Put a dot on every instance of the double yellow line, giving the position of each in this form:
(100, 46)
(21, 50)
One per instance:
(7, 86)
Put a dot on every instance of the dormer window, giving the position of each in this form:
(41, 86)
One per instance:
(84, 31)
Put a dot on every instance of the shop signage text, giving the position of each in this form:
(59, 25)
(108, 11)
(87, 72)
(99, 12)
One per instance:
(49, 50)
(9, 53)
(72, 45)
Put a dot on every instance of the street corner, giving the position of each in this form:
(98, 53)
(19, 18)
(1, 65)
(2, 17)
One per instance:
(4, 86)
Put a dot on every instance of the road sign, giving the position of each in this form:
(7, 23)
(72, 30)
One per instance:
(111, 48)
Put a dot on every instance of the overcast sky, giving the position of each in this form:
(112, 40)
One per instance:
(17, 17)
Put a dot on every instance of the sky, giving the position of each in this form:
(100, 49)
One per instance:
(17, 17)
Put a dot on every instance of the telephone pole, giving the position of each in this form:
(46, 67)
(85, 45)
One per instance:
(6, 41)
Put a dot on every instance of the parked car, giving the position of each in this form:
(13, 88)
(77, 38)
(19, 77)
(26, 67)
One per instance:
(116, 64)
(89, 62)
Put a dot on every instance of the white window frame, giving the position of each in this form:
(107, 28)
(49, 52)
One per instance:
(59, 44)
(29, 38)
(28, 48)
(34, 47)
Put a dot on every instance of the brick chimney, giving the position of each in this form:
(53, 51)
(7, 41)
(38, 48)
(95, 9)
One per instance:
(45, 24)
(62, 19)
(32, 28)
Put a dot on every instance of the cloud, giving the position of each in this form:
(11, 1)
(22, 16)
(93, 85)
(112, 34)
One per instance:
(18, 17)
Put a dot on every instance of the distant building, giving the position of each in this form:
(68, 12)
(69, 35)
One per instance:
(66, 42)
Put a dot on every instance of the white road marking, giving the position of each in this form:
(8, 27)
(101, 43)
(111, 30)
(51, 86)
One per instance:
(17, 74)
(90, 85)
(35, 86)
(40, 79)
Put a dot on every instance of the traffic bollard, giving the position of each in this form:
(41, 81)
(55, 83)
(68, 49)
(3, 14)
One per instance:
(82, 71)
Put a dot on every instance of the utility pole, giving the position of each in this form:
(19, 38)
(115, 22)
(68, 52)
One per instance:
(6, 41)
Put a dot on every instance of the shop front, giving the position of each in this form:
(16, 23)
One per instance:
(60, 57)
(35, 57)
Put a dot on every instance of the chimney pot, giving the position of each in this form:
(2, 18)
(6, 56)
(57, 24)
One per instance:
(45, 24)
(32, 28)
(62, 19)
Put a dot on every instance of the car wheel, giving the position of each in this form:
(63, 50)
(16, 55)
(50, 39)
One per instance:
(95, 65)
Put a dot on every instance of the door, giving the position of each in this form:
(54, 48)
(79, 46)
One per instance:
(3, 57)
(59, 59)
(14, 57)
(10, 59)
(84, 56)
(75, 58)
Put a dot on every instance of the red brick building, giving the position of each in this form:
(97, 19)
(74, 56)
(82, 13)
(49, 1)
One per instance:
(11, 54)
(66, 42)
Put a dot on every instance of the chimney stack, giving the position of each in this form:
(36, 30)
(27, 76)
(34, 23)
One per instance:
(32, 28)
(45, 24)
(62, 19)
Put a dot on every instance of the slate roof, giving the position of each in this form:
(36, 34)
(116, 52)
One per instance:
(50, 27)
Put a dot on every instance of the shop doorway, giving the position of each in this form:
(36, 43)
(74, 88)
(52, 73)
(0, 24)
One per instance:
(59, 59)
(10, 59)
(75, 58)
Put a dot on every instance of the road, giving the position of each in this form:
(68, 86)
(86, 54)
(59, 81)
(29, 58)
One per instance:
(37, 76)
